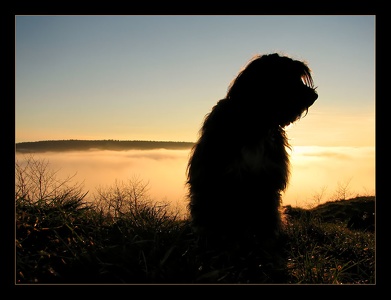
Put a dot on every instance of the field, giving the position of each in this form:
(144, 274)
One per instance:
(125, 238)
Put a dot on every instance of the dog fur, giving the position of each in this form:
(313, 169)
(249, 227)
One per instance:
(239, 166)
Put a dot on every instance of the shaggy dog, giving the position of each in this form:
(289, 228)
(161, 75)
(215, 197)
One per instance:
(239, 166)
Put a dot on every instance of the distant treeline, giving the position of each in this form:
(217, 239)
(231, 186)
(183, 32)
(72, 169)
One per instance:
(82, 145)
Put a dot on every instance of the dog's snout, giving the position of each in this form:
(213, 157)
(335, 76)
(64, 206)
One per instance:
(315, 96)
(312, 97)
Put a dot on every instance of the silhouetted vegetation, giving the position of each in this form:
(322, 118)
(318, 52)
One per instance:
(125, 237)
(82, 145)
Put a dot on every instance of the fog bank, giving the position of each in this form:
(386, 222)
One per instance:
(317, 173)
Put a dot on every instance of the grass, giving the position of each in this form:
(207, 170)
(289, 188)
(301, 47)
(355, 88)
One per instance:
(124, 237)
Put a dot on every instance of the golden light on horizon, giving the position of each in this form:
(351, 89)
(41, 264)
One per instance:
(313, 168)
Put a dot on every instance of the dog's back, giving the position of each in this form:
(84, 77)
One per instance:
(236, 173)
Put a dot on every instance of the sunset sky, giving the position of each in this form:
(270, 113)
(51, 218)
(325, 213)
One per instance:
(155, 77)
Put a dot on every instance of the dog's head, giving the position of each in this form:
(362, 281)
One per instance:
(278, 87)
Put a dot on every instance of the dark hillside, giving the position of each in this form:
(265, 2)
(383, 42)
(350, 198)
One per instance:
(355, 213)
(343, 210)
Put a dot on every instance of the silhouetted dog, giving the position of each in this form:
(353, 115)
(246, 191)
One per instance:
(240, 165)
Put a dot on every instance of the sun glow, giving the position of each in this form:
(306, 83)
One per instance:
(313, 169)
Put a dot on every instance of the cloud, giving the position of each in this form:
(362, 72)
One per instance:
(342, 153)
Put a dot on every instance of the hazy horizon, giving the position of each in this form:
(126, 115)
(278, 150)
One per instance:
(120, 140)
(314, 170)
